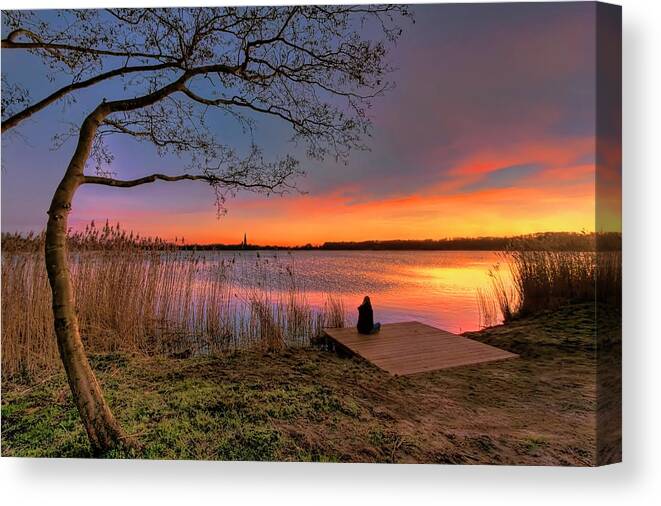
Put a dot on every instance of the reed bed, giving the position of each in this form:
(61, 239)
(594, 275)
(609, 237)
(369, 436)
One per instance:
(545, 275)
(143, 295)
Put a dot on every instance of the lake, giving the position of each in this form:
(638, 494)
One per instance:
(434, 287)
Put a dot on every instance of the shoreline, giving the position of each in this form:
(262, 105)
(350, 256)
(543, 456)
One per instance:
(311, 405)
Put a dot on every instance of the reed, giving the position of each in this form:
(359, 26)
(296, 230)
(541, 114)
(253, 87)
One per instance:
(545, 275)
(334, 313)
(500, 302)
(144, 295)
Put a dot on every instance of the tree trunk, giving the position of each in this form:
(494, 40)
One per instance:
(102, 429)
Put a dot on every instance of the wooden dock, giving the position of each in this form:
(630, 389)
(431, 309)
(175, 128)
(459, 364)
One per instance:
(413, 347)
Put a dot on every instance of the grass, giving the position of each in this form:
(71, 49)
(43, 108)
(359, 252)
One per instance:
(303, 404)
(143, 295)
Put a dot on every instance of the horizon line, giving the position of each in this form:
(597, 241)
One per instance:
(241, 244)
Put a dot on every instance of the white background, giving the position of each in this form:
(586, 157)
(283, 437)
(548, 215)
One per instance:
(636, 481)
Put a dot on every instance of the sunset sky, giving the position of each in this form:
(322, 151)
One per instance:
(490, 131)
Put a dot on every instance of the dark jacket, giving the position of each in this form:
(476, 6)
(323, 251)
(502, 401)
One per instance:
(365, 318)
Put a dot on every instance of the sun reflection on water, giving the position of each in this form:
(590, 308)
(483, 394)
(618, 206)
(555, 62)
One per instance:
(438, 288)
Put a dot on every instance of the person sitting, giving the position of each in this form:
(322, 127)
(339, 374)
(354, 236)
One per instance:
(366, 323)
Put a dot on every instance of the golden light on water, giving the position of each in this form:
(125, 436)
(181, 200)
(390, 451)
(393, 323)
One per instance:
(468, 278)
(434, 287)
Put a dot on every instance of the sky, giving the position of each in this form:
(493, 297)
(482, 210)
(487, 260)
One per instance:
(490, 130)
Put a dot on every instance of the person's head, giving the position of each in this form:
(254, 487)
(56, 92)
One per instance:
(366, 300)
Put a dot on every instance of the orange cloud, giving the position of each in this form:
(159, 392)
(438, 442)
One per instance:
(558, 197)
(303, 219)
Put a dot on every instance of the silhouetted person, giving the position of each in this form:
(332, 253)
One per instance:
(366, 323)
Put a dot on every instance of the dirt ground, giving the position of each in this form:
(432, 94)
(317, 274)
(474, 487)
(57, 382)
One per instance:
(312, 405)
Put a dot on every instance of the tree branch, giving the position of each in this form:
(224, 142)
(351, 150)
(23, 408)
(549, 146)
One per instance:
(277, 37)
(37, 43)
(15, 119)
(120, 183)
(240, 102)
(211, 179)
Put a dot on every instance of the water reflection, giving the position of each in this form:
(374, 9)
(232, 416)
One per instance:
(438, 288)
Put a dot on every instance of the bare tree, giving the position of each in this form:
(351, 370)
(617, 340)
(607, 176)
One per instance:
(311, 67)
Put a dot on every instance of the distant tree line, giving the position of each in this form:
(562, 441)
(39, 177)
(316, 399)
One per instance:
(552, 241)
(109, 237)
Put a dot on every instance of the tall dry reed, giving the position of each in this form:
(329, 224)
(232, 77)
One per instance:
(544, 276)
(144, 295)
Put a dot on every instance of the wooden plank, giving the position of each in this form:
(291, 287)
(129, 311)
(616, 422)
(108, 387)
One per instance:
(410, 370)
(412, 347)
(438, 354)
(441, 361)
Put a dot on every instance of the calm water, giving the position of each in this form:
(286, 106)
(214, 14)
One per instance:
(434, 287)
